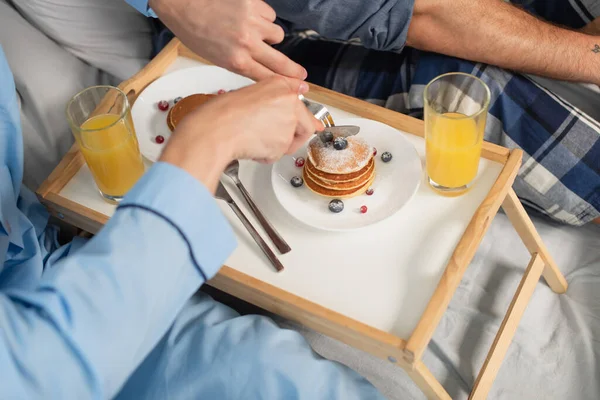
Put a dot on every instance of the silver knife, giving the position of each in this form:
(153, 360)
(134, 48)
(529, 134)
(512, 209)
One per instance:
(224, 195)
(329, 133)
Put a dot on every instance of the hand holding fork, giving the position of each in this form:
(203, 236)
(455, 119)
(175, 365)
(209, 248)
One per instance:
(232, 171)
(269, 122)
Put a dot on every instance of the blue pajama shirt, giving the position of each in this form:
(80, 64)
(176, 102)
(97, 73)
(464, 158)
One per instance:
(117, 316)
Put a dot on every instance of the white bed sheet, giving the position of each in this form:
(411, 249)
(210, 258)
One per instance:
(556, 351)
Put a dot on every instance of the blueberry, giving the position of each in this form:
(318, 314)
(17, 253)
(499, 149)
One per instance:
(297, 181)
(336, 206)
(386, 156)
(326, 137)
(340, 143)
(177, 100)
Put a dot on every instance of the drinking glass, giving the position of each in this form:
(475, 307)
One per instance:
(100, 118)
(456, 107)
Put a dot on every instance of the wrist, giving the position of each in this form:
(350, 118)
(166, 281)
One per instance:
(159, 7)
(153, 4)
(592, 45)
(595, 51)
(205, 160)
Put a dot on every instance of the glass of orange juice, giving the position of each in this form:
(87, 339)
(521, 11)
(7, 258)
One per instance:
(100, 118)
(456, 107)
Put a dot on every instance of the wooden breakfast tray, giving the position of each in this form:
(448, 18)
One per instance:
(321, 293)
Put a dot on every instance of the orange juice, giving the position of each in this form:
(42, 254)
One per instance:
(111, 150)
(453, 149)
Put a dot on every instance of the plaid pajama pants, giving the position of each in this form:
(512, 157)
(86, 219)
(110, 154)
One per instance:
(560, 174)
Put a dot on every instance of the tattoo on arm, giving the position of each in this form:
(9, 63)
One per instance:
(596, 49)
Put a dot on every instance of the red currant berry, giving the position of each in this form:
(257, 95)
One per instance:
(363, 209)
(370, 192)
(299, 162)
(159, 139)
(374, 151)
(221, 91)
(163, 105)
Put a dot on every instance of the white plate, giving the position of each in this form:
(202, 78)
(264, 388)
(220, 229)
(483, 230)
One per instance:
(395, 183)
(149, 121)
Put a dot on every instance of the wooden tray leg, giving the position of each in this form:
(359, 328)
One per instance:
(518, 217)
(424, 379)
(507, 330)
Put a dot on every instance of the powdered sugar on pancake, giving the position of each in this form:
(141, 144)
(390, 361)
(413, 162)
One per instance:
(327, 159)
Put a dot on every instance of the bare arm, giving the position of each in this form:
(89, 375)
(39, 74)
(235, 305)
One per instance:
(498, 33)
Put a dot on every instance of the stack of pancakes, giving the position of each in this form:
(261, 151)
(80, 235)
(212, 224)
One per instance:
(339, 173)
(185, 106)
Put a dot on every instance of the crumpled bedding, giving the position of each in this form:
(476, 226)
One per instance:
(555, 353)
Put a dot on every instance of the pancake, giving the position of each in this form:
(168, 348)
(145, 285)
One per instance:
(185, 106)
(353, 158)
(336, 173)
(346, 185)
(341, 178)
(336, 194)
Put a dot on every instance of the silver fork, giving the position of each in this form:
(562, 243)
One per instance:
(232, 171)
(224, 195)
(319, 111)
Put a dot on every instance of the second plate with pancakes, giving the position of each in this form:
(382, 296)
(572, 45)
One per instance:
(346, 175)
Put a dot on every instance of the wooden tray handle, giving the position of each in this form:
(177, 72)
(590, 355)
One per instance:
(154, 70)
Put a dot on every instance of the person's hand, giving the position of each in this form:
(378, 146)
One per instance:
(233, 34)
(261, 122)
